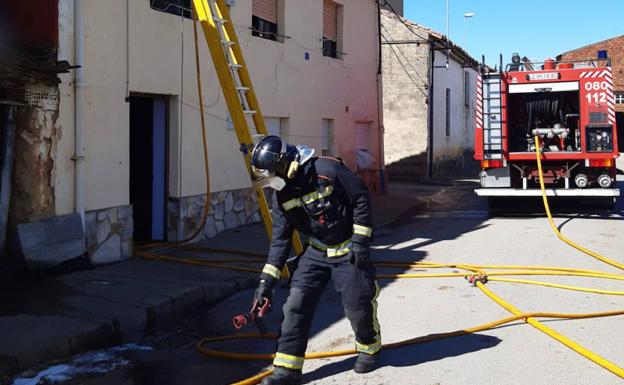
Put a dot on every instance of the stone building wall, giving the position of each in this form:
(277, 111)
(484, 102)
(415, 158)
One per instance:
(228, 210)
(405, 99)
(109, 234)
(36, 139)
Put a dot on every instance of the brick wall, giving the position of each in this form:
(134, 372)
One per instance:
(615, 50)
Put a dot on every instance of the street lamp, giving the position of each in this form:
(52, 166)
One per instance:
(467, 15)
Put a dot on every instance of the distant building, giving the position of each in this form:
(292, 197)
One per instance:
(615, 51)
(429, 108)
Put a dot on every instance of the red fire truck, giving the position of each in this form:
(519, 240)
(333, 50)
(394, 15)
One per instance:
(569, 106)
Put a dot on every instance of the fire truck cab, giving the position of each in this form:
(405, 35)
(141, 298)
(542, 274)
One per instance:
(569, 105)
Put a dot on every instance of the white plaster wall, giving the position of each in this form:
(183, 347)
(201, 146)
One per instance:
(461, 137)
(161, 61)
(64, 165)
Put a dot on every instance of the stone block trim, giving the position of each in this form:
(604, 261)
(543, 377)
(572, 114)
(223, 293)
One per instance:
(109, 234)
(228, 210)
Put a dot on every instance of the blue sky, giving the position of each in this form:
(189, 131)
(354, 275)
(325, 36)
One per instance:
(534, 28)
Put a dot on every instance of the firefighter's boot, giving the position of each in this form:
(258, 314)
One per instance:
(366, 363)
(283, 376)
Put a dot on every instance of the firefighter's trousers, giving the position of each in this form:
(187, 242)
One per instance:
(358, 289)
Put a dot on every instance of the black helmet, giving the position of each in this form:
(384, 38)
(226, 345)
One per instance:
(273, 155)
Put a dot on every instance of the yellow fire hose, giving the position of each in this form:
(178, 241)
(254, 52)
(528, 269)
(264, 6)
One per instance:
(552, 223)
(413, 341)
(499, 270)
(491, 272)
(519, 270)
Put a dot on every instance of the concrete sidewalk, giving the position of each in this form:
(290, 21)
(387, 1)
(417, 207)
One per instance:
(65, 315)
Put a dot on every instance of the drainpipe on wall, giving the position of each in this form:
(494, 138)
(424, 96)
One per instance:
(380, 115)
(79, 92)
(431, 105)
(382, 162)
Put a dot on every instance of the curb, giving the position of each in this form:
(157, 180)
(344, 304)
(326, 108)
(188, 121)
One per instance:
(36, 339)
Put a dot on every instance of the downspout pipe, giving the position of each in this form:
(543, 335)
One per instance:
(79, 104)
(380, 114)
(430, 119)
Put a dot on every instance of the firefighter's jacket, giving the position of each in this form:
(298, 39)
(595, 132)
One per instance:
(326, 203)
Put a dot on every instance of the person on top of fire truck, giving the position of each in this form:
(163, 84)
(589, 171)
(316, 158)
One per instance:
(326, 202)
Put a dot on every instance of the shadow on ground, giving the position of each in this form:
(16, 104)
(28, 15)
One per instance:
(412, 355)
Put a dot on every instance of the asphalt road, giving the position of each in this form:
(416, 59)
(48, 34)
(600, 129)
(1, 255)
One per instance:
(451, 233)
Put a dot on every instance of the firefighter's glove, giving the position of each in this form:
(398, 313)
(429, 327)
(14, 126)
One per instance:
(360, 255)
(264, 291)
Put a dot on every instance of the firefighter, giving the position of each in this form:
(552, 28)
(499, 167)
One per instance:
(327, 203)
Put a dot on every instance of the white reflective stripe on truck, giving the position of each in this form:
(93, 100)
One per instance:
(543, 87)
(573, 192)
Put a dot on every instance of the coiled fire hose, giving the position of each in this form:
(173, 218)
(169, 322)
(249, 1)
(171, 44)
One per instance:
(488, 272)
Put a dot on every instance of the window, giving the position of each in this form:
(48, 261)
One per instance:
(619, 98)
(175, 7)
(328, 137)
(264, 19)
(448, 112)
(330, 48)
(466, 89)
(331, 29)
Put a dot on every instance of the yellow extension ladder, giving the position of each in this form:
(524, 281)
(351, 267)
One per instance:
(227, 56)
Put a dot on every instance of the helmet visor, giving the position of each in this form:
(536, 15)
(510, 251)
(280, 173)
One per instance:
(258, 174)
(263, 178)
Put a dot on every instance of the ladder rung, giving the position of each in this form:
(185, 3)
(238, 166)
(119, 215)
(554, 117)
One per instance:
(242, 89)
(228, 43)
(235, 66)
(219, 19)
(250, 112)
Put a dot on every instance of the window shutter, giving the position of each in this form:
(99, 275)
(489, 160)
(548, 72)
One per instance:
(265, 9)
(330, 20)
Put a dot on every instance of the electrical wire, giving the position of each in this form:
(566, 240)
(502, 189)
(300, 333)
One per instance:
(414, 81)
(402, 20)
(416, 72)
